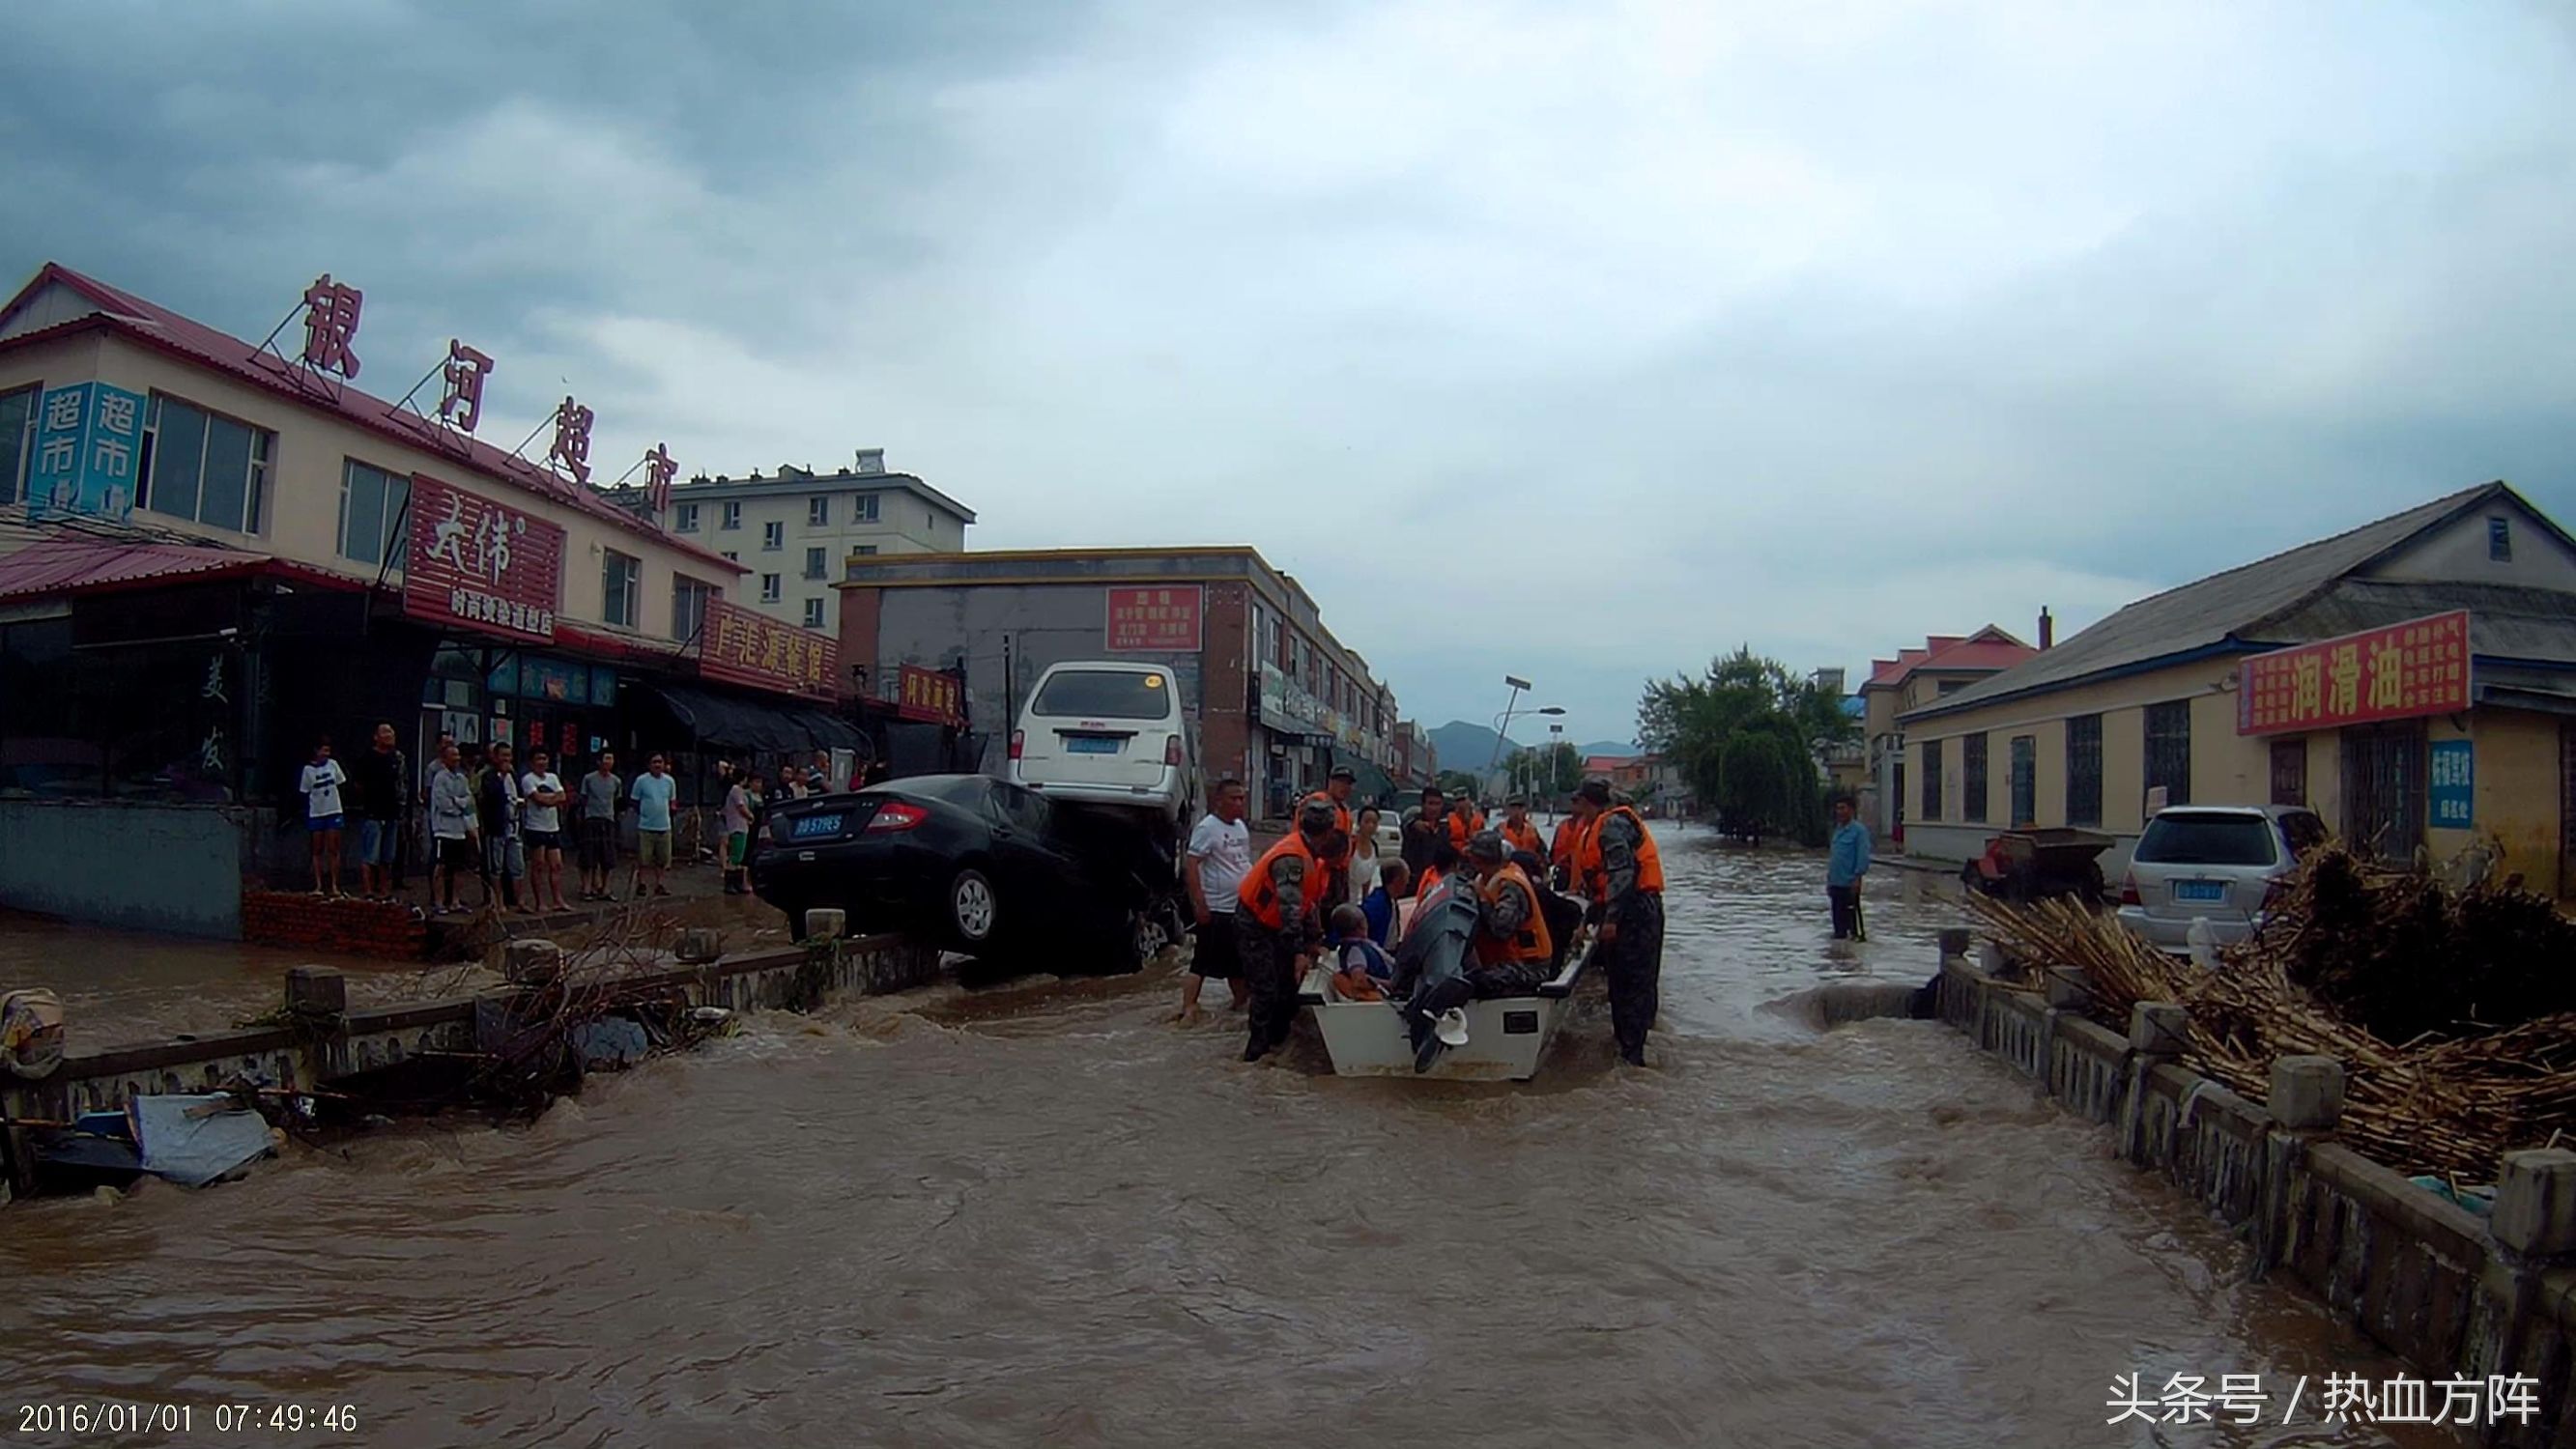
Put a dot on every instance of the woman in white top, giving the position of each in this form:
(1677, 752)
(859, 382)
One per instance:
(1364, 854)
(320, 784)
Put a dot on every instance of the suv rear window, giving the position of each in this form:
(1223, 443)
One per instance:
(2180, 837)
(1105, 694)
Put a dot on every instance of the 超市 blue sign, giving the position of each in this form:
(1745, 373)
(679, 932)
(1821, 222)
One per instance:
(89, 443)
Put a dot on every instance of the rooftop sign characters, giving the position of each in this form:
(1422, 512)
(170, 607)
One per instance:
(1156, 620)
(460, 402)
(2403, 671)
(659, 469)
(331, 326)
(572, 439)
(743, 646)
(475, 564)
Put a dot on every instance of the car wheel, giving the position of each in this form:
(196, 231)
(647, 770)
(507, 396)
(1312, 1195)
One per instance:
(974, 911)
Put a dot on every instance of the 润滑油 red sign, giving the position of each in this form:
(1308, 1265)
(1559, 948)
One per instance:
(742, 646)
(930, 696)
(1157, 619)
(2419, 667)
(472, 563)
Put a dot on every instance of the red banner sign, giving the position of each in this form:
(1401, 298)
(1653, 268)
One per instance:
(743, 646)
(1156, 620)
(2419, 667)
(931, 697)
(472, 563)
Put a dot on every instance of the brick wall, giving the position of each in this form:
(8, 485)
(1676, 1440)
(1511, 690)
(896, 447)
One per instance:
(340, 928)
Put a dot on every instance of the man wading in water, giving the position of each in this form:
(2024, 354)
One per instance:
(1623, 877)
(1279, 920)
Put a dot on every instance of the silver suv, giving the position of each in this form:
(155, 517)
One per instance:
(2220, 863)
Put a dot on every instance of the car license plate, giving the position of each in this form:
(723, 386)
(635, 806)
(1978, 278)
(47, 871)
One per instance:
(2200, 890)
(1091, 744)
(809, 827)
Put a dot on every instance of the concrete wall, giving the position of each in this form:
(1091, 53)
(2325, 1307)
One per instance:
(2518, 795)
(300, 513)
(2458, 554)
(2418, 1275)
(128, 864)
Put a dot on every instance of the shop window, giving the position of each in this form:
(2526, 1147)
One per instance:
(813, 613)
(17, 433)
(684, 519)
(621, 590)
(813, 563)
(769, 590)
(1972, 779)
(773, 536)
(730, 515)
(688, 606)
(2084, 770)
(818, 512)
(863, 509)
(1931, 779)
(372, 503)
(204, 467)
(2168, 749)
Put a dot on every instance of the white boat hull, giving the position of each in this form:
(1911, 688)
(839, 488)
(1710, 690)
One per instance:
(1507, 1036)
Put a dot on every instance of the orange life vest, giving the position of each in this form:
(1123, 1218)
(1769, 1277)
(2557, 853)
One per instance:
(1260, 897)
(1531, 942)
(1587, 857)
(1569, 835)
(1523, 836)
(1430, 881)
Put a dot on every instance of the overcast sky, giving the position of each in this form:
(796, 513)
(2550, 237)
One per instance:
(1577, 341)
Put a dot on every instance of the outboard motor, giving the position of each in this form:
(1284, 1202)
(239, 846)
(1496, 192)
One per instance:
(1431, 966)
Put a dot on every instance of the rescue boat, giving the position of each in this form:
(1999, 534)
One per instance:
(1507, 1036)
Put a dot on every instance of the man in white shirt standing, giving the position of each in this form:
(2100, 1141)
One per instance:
(320, 785)
(1219, 857)
(541, 824)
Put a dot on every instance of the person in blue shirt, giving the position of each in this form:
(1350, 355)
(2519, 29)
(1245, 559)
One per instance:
(1393, 881)
(1361, 970)
(1845, 868)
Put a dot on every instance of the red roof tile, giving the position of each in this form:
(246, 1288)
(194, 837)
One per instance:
(72, 564)
(150, 322)
(1989, 649)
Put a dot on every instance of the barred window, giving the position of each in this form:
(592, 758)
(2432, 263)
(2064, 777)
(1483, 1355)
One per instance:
(2169, 750)
(2084, 770)
(1931, 779)
(1972, 779)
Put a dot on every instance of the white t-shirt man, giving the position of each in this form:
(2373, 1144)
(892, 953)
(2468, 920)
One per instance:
(321, 786)
(1224, 854)
(540, 819)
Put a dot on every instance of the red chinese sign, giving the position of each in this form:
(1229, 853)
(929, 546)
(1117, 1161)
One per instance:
(743, 646)
(2416, 668)
(931, 697)
(474, 564)
(1157, 620)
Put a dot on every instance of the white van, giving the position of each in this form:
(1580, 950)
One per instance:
(1107, 732)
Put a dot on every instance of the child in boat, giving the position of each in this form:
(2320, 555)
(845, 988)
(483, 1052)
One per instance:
(1361, 970)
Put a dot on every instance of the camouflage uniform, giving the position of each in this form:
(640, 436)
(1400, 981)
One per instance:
(1270, 957)
(1503, 918)
(1633, 965)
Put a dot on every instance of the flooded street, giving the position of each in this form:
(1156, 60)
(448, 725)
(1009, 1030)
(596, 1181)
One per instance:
(1044, 1214)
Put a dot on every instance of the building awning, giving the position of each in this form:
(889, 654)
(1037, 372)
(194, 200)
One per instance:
(722, 719)
(73, 563)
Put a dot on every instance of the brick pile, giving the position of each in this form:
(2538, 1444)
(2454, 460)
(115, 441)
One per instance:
(342, 927)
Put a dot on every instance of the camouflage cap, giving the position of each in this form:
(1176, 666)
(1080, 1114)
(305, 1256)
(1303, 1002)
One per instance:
(1316, 817)
(1596, 790)
(1486, 845)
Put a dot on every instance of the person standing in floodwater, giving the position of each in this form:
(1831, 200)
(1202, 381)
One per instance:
(1624, 877)
(1845, 868)
(1279, 921)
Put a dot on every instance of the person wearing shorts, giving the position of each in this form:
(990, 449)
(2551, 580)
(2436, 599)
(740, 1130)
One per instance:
(380, 775)
(320, 785)
(541, 826)
(1218, 858)
(453, 826)
(655, 792)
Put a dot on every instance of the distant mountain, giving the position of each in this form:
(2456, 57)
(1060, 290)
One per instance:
(1464, 745)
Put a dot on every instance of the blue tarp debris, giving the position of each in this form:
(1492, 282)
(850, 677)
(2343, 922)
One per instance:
(192, 1140)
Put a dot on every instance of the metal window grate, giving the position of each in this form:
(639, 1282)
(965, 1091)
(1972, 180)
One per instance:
(2084, 770)
(2168, 749)
(2384, 791)
(1931, 779)
(1972, 779)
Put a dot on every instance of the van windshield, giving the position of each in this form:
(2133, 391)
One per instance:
(2179, 837)
(1105, 694)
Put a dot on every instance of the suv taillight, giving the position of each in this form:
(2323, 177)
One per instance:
(895, 815)
(1019, 742)
(1172, 752)
(2129, 890)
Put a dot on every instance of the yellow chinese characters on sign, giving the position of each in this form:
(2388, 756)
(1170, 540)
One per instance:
(2420, 667)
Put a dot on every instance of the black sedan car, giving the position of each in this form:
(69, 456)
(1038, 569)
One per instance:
(978, 864)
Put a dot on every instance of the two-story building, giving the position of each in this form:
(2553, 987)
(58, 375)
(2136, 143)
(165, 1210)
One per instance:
(792, 531)
(1946, 664)
(215, 552)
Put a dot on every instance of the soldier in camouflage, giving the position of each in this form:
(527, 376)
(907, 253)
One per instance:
(1279, 922)
(1624, 876)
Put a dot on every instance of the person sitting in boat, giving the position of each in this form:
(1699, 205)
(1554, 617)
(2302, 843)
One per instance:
(1563, 912)
(1361, 968)
(1444, 862)
(1513, 945)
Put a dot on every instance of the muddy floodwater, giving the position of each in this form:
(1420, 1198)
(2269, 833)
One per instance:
(1044, 1215)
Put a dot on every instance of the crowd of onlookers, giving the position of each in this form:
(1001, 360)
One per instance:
(514, 826)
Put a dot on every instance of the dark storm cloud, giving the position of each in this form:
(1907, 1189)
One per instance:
(1665, 326)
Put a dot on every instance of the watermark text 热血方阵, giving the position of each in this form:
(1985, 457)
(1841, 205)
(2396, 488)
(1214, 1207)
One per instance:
(2339, 1399)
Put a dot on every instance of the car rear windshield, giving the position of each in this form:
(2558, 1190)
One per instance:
(2178, 838)
(1105, 694)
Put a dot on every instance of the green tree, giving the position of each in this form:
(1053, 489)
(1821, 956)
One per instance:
(1746, 734)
